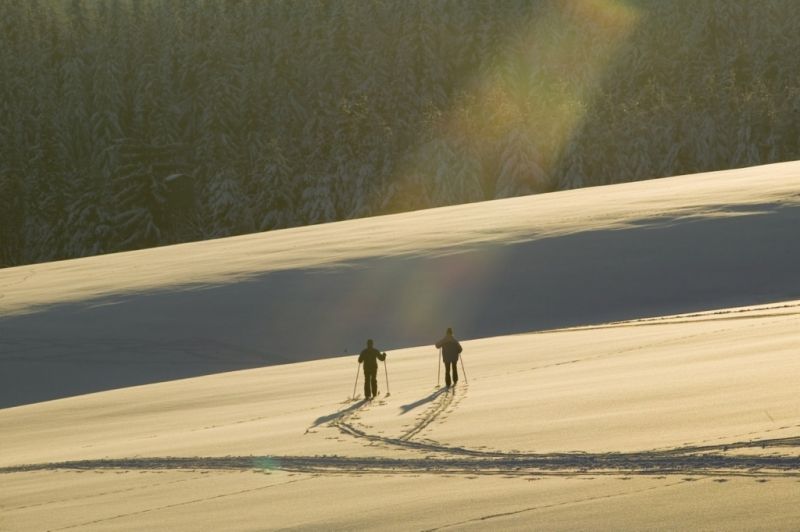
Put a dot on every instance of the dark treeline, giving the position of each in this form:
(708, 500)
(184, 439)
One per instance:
(133, 123)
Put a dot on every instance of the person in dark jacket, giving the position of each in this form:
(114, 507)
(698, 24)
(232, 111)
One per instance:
(450, 351)
(369, 357)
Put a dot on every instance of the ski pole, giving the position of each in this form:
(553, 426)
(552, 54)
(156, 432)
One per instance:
(386, 371)
(439, 368)
(358, 369)
(463, 370)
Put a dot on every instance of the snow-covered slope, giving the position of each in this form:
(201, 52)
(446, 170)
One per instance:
(579, 257)
(678, 423)
(668, 422)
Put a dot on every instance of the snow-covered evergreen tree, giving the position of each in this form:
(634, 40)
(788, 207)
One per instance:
(139, 198)
(520, 170)
(453, 171)
(276, 206)
(226, 215)
(316, 204)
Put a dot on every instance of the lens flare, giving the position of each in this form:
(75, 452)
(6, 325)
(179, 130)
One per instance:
(508, 126)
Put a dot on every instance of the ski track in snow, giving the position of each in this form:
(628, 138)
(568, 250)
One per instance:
(175, 505)
(678, 340)
(696, 317)
(695, 460)
(484, 518)
(101, 494)
(699, 461)
(442, 400)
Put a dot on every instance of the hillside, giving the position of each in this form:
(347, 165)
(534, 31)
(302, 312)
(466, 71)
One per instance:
(684, 422)
(580, 257)
(654, 421)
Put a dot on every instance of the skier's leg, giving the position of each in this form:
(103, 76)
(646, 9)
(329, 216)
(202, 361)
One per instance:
(455, 372)
(367, 384)
(447, 373)
(374, 383)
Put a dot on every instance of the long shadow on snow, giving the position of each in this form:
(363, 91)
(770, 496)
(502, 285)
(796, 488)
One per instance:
(427, 399)
(339, 414)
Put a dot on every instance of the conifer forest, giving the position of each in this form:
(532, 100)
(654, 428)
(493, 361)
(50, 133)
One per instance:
(127, 124)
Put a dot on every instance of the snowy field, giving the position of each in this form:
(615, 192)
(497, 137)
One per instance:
(631, 353)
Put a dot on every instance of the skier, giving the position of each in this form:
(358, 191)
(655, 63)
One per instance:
(370, 357)
(450, 351)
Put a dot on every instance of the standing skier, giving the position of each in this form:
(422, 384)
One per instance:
(450, 351)
(370, 357)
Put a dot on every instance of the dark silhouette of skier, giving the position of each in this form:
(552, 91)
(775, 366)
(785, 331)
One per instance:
(369, 357)
(450, 351)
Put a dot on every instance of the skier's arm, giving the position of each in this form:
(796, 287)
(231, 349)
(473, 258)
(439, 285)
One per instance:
(381, 356)
(459, 347)
(361, 357)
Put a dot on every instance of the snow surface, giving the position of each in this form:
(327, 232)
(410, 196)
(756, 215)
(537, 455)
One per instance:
(654, 421)
(580, 257)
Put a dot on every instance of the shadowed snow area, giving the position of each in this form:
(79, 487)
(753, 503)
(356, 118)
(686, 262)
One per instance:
(581, 257)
